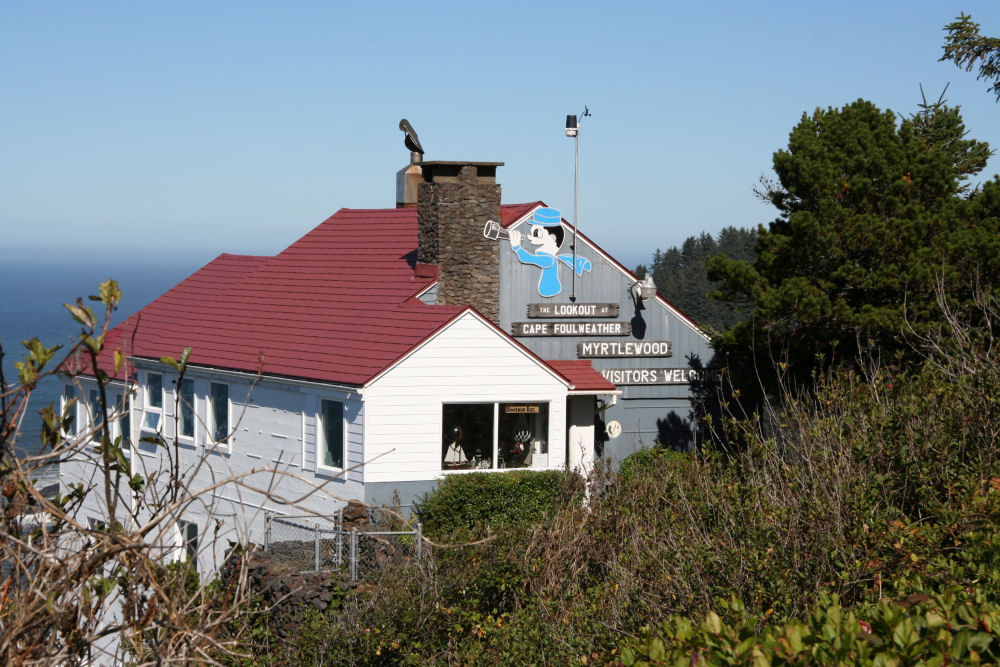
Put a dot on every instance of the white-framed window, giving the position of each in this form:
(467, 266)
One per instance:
(123, 425)
(187, 542)
(219, 422)
(492, 436)
(68, 401)
(152, 402)
(185, 408)
(331, 439)
(95, 416)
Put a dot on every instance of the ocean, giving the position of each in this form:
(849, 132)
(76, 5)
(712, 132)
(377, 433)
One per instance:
(32, 294)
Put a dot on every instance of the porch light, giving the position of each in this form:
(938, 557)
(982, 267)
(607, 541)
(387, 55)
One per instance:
(644, 290)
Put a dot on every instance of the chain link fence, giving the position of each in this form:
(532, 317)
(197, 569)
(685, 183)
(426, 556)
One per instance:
(325, 544)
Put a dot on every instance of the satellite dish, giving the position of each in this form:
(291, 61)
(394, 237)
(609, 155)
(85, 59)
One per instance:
(410, 140)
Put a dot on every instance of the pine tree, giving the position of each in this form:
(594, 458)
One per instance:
(966, 47)
(872, 220)
(682, 278)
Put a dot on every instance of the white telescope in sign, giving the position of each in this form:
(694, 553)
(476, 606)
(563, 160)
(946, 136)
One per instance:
(494, 230)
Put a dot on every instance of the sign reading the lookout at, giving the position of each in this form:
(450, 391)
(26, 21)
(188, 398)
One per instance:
(573, 309)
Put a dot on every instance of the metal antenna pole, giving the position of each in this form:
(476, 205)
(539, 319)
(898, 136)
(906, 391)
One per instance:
(576, 181)
(573, 130)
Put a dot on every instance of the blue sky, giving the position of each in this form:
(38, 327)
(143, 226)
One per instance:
(152, 130)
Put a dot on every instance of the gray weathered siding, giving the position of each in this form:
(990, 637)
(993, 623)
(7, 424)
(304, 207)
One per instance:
(645, 412)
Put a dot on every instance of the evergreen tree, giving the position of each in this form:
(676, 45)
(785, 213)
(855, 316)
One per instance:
(682, 279)
(872, 220)
(966, 47)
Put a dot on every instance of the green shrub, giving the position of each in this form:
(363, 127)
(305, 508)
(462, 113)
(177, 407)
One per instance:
(472, 503)
(955, 624)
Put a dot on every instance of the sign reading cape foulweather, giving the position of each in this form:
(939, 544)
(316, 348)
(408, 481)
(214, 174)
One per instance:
(573, 310)
(596, 349)
(572, 328)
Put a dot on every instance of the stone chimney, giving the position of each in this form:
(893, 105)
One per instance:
(454, 201)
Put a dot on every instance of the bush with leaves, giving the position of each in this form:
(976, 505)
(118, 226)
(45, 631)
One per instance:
(474, 503)
(112, 590)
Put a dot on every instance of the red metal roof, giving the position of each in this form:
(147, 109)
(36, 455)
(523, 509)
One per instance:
(581, 375)
(335, 306)
(511, 213)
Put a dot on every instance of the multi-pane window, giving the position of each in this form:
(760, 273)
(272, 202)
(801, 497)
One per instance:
(96, 414)
(124, 421)
(218, 398)
(154, 402)
(494, 435)
(332, 434)
(185, 407)
(189, 541)
(69, 393)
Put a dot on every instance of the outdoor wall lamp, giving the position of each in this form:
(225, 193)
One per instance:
(645, 290)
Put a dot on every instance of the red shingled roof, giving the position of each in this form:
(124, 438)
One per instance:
(335, 306)
(582, 376)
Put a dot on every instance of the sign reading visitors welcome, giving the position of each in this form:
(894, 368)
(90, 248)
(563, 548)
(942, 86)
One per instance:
(572, 328)
(625, 376)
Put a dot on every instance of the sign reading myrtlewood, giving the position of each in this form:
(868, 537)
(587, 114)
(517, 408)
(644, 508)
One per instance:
(647, 376)
(595, 349)
(572, 328)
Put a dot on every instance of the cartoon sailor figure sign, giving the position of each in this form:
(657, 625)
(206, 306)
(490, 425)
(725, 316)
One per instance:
(546, 234)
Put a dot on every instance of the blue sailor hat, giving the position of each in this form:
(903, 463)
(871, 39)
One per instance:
(546, 217)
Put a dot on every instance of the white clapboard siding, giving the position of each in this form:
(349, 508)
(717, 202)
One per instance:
(468, 361)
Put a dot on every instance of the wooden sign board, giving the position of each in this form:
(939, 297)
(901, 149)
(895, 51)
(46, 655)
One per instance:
(521, 409)
(597, 349)
(572, 328)
(650, 376)
(573, 310)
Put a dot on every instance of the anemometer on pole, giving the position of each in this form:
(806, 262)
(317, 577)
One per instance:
(573, 130)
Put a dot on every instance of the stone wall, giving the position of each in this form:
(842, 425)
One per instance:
(289, 594)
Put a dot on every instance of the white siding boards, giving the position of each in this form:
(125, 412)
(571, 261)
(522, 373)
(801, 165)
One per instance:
(468, 361)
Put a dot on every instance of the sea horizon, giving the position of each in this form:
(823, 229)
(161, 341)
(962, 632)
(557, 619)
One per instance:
(35, 287)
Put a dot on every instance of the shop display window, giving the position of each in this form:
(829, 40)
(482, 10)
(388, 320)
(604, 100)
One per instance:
(491, 436)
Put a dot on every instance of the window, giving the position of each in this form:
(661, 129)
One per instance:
(494, 435)
(124, 424)
(332, 434)
(185, 408)
(96, 414)
(523, 435)
(218, 397)
(468, 435)
(69, 406)
(189, 541)
(154, 402)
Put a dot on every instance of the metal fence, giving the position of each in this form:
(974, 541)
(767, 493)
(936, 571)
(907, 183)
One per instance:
(318, 544)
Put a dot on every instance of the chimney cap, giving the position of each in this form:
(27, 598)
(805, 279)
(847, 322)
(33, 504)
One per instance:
(462, 163)
(442, 171)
